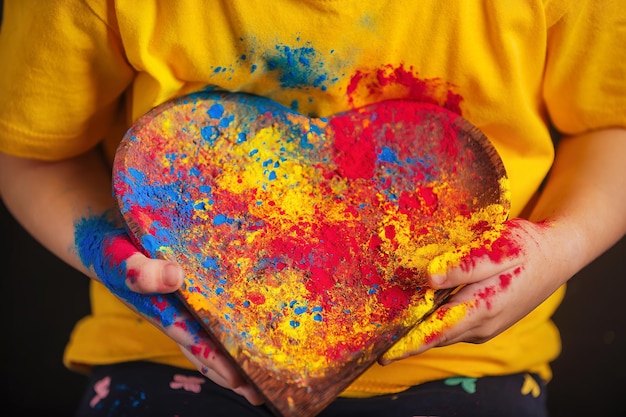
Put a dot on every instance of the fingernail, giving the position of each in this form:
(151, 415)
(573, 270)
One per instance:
(172, 275)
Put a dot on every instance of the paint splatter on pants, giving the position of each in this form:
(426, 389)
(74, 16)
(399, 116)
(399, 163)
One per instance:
(145, 389)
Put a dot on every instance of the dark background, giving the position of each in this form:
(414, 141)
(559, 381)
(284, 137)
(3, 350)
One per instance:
(43, 298)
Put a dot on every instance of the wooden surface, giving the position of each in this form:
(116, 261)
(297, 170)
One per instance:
(305, 242)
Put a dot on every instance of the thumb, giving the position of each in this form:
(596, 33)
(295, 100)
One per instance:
(123, 266)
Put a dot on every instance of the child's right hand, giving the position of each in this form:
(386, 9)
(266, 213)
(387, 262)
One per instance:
(147, 286)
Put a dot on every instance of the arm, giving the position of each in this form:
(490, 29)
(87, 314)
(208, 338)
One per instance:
(579, 215)
(76, 190)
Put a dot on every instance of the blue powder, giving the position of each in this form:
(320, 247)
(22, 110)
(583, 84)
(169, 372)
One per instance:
(216, 111)
(210, 134)
(298, 67)
(387, 155)
(92, 235)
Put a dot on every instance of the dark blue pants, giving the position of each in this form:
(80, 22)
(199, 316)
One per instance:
(146, 389)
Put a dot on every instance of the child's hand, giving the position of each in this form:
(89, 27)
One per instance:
(147, 286)
(502, 281)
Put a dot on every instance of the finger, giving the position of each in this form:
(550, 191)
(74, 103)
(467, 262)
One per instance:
(146, 276)
(482, 299)
(235, 384)
(428, 333)
(128, 268)
(492, 254)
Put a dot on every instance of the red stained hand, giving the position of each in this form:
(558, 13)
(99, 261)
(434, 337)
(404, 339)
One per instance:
(500, 282)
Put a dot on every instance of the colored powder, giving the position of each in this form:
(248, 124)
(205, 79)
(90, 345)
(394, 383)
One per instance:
(104, 248)
(486, 295)
(298, 67)
(352, 164)
(309, 240)
(372, 85)
(426, 331)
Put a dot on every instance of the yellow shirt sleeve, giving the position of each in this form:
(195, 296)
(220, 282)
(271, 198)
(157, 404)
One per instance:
(585, 77)
(67, 71)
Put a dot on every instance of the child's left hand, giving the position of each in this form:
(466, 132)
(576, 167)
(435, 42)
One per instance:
(501, 283)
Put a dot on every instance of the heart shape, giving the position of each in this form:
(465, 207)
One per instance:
(305, 241)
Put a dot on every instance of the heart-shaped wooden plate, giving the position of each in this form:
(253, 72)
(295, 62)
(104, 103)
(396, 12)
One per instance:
(305, 241)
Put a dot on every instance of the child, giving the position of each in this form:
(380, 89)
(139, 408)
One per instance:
(76, 74)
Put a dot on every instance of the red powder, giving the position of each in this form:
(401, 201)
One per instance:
(160, 303)
(500, 249)
(441, 313)
(431, 338)
(453, 102)
(448, 141)
(118, 249)
(399, 82)
(195, 350)
(429, 197)
(352, 212)
(321, 280)
(355, 152)
(390, 232)
(370, 275)
(486, 295)
(132, 275)
(394, 299)
(505, 280)
(256, 298)
(375, 243)
(408, 202)
(503, 248)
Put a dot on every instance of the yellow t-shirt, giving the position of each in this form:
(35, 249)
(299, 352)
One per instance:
(77, 73)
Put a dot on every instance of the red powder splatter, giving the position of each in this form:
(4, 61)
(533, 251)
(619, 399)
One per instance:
(390, 232)
(375, 243)
(453, 102)
(207, 351)
(486, 295)
(403, 83)
(505, 280)
(431, 338)
(256, 298)
(441, 312)
(448, 141)
(160, 303)
(370, 275)
(132, 275)
(503, 248)
(352, 211)
(118, 249)
(338, 351)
